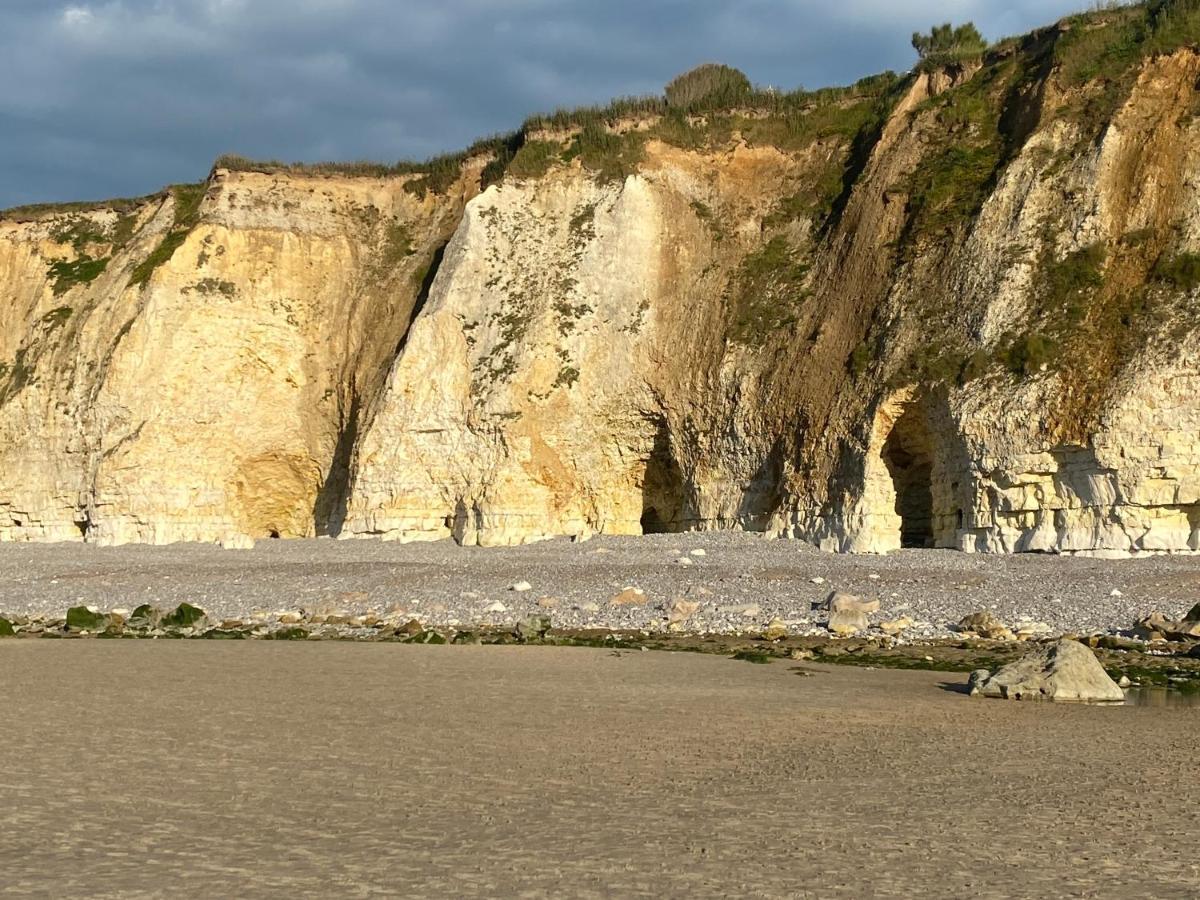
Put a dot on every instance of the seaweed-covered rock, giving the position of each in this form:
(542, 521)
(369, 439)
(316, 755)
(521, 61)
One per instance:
(145, 616)
(534, 628)
(1064, 670)
(6, 628)
(185, 616)
(427, 637)
(86, 618)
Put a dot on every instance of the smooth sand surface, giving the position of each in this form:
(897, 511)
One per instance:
(138, 768)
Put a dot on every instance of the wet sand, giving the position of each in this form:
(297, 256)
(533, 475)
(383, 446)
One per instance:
(149, 768)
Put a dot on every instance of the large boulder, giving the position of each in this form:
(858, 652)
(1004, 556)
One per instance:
(1064, 670)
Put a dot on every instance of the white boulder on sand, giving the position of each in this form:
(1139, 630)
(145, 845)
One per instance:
(1064, 670)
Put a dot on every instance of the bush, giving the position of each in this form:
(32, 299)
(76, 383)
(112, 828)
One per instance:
(1181, 271)
(1029, 353)
(710, 85)
(946, 44)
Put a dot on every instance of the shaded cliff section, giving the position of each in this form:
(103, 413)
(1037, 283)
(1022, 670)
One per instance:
(954, 308)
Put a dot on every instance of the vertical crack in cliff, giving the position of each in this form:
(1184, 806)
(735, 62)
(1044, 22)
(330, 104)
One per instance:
(333, 497)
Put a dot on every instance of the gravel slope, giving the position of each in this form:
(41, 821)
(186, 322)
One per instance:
(741, 582)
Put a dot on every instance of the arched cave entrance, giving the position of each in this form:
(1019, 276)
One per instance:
(662, 488)
(908, 455)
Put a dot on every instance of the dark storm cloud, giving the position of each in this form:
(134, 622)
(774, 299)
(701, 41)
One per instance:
(117, 97)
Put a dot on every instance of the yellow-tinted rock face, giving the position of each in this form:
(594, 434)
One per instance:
(215, 401)
(950, 328)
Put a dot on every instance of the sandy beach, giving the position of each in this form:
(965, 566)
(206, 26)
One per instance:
(143, 768)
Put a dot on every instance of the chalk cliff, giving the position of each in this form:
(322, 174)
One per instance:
(955, 308)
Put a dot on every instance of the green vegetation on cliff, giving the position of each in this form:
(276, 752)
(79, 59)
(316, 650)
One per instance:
(186, 216)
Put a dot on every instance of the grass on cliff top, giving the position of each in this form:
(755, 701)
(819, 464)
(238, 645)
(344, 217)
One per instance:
(32, 212)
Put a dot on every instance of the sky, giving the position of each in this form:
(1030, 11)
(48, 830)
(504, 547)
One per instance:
(107, 98)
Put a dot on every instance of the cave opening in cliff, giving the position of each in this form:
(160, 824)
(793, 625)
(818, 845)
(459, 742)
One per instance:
(908, 455)
(662, 488)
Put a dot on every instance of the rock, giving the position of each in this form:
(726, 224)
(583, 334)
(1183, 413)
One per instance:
(847, 613)
(1123, 681)
(411, 627)
(1062, 671)
(1115, 593)
(86, 618)
(394, 615)
(6, 628)
(775, 630)
(497, 607)
(800, 653)
(1032, 631)
(145, 616)
(817, 580)
(682, 610)
(699, 551)
(895, 626)
(683, 561)
(847, 622)
(547, 602)
(427, 637)
(1193, 614)
(184, 616)
(533, 628)
(985, 625)
(1194, 653)
(976, 680)
(630, 596)
(521, 587)
(839, 601)
(289, 616)
(873, 577)
(1113, 642)
(1157, 627)
(590, 607)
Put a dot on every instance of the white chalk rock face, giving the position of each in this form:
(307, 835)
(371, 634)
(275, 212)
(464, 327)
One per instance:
(199, 386)
(519, 407)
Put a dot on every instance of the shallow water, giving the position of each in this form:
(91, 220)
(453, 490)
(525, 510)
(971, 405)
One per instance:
(1161, 697)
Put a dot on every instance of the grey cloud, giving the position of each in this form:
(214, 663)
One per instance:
(116, 97)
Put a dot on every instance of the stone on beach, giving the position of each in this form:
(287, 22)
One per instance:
(682, 610)
(86, 618)
(630, 596)
(1063, 671)
(848, 614)
(1157, 627)
(985, 625)
(775, 630)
